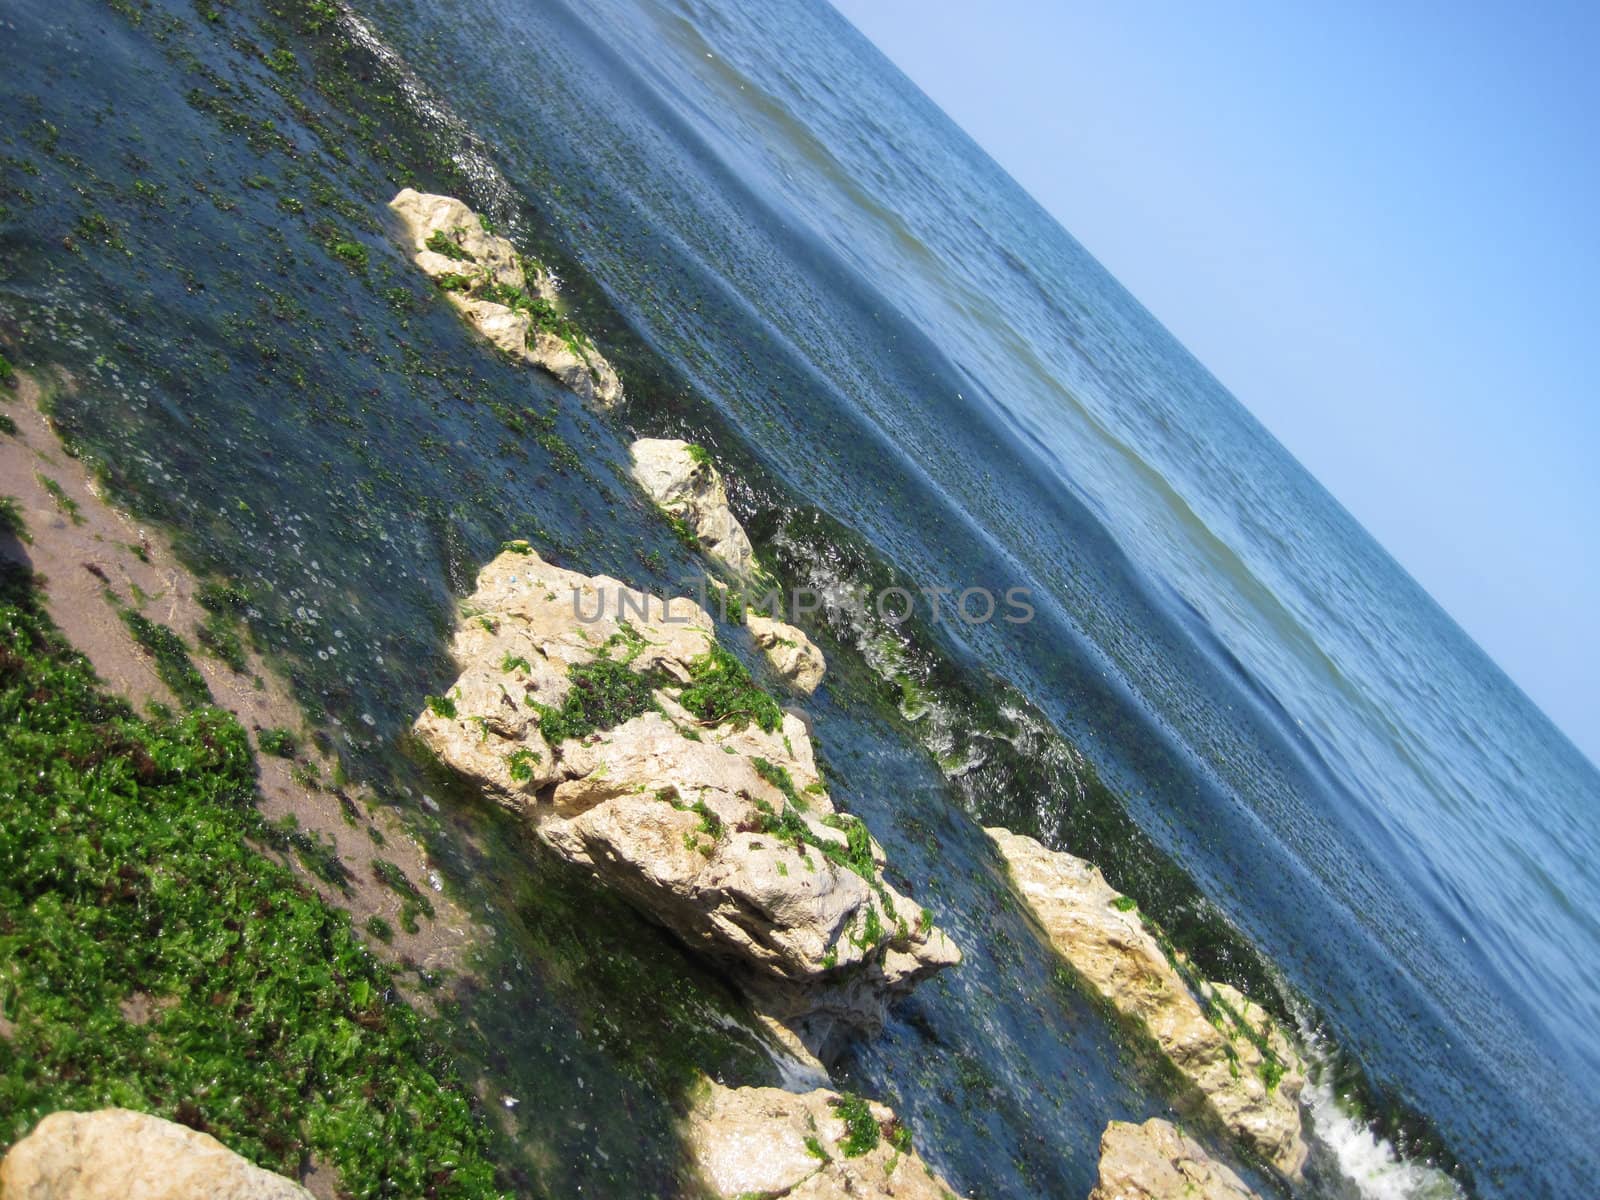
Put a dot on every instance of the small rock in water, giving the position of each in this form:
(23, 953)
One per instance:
(756, 1141)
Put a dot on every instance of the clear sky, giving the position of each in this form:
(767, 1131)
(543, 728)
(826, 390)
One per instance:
(1377, 224)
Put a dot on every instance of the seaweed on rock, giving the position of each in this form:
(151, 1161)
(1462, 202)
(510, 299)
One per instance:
(640, 748)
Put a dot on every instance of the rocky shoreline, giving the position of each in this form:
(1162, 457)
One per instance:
(716, 824)
(638, 748)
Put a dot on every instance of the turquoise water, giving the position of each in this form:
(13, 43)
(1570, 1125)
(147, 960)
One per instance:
(865, 318)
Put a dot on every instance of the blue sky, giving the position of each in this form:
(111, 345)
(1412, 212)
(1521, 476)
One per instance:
(1377, 224)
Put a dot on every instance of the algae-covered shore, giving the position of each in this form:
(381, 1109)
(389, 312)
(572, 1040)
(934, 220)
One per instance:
(251, 887)
(246, 963)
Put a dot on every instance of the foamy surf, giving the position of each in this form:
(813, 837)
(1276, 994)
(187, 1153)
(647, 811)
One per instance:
(1352, 1162)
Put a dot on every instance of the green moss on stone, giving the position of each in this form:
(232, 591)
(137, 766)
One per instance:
(720, 689)
(603, 694)
(441, 242)
(862, 1133)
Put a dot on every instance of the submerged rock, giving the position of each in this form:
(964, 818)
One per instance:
(791, 653)
(510, 300)
(115, 1154)
(1154, 1161)
(639, 749)
(681, 479)
(813, 1145)
(1242, 1069)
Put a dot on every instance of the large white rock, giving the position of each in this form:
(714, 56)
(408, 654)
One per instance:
(765, 1142)
(115, 1154)
(1154, 1161)
(484, 260)
(684, 483)
(724, 834)
(1118, 960)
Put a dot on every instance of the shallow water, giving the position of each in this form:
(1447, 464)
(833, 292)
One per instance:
(860, 313)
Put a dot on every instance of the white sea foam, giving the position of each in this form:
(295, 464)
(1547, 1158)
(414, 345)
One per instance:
(1364, 1165)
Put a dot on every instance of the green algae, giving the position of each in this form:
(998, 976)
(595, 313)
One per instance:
(441, 242)
(127, 870)
(862, 1133)
(720, 689)
(603, 694)
(218, 637)
(519, 763)
(315, 852)
(12, 522)
(278, 742)
(352, 253)
(681, 529)
(171, 657)
(64, 502)
(413, 901)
